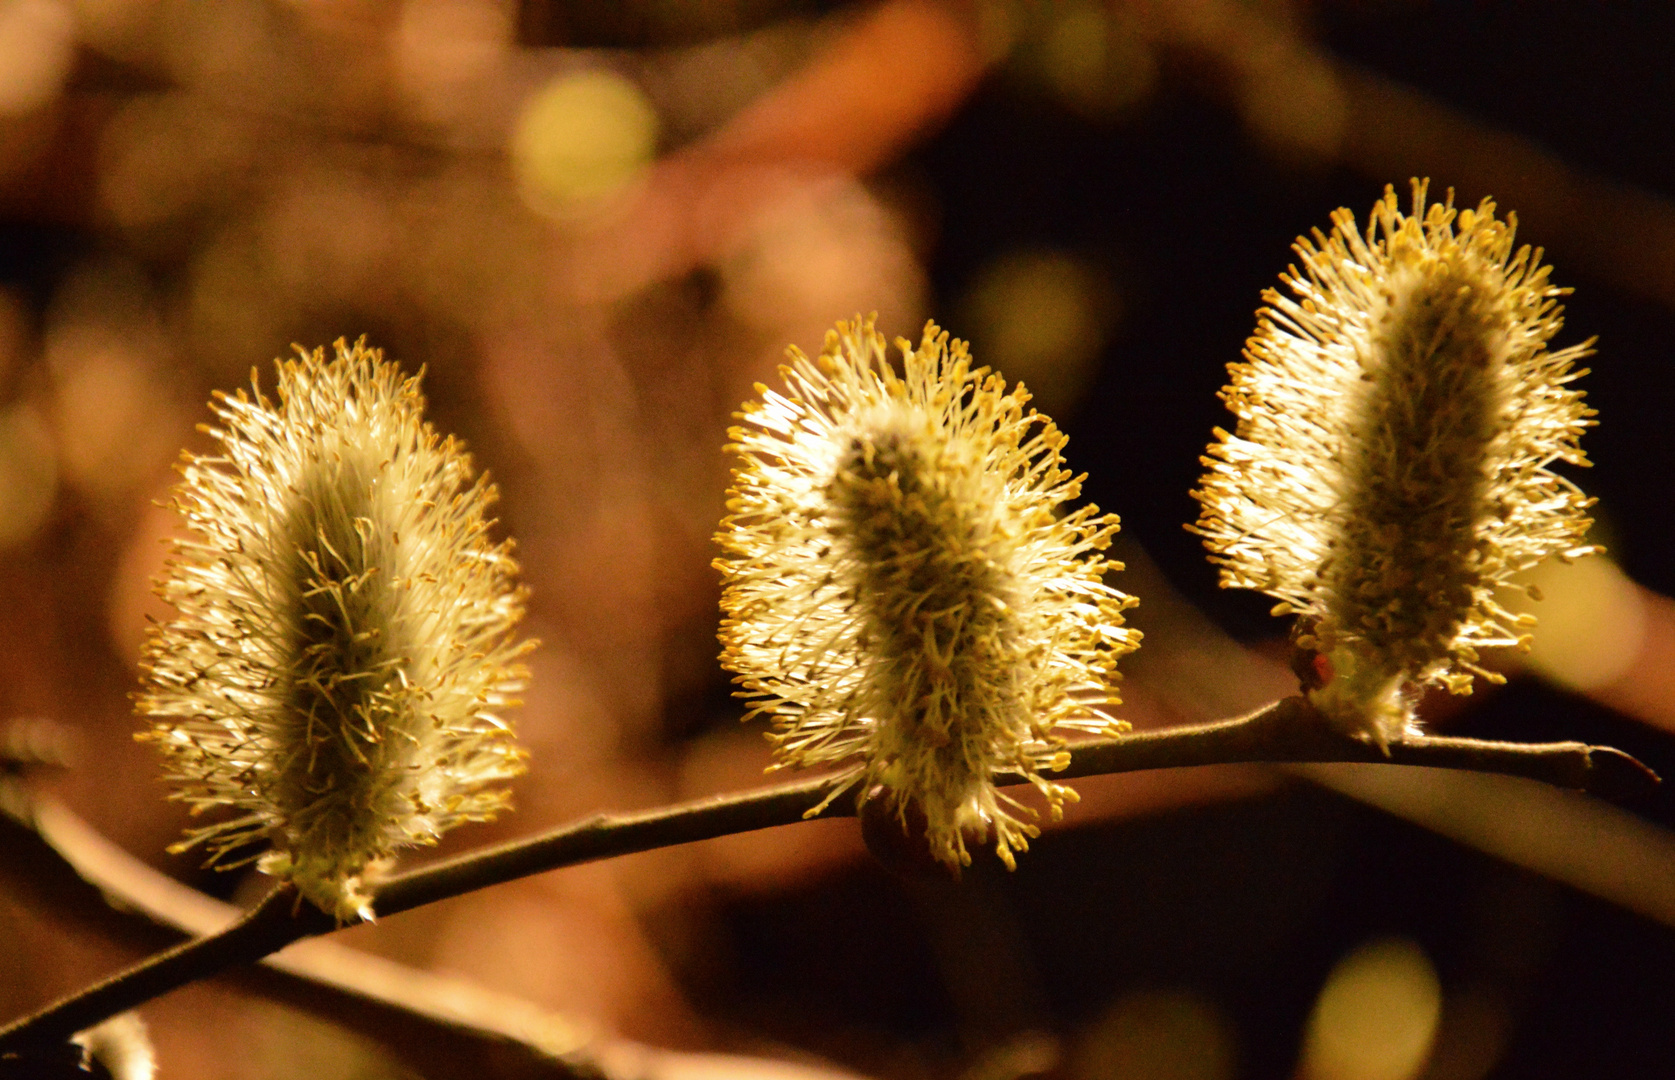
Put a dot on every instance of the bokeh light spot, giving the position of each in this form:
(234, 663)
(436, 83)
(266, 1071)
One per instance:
(28, 474)
(1091, 58)
(1042, 318)
(1376, 1017)
(580, 140)
(1157, 1035)
(111, 415)
(1592, 621)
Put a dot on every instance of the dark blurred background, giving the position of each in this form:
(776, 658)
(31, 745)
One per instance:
(597, 224)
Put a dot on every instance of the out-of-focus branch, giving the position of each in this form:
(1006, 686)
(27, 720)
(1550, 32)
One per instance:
(1591, 846)
(897, 72)
(904, 67)
(1292, 91)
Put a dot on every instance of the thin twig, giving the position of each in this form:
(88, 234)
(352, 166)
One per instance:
(1285, 731)
(605, 836)
(1291, 731)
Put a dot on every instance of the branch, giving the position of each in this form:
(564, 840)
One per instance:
(1289, 730)
(448, 1027)
(271, 925)
(604, 836)
(451, 1028)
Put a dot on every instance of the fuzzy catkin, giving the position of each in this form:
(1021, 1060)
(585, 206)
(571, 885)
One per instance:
(344, 642)
(1398, 414)
(904, 597)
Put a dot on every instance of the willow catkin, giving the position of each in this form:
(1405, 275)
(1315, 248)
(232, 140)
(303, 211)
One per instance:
(1398, 414)
(905, 596)
(344, 639)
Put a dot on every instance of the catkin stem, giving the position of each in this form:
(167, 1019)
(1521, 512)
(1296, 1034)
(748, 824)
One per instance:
(1289, 730)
